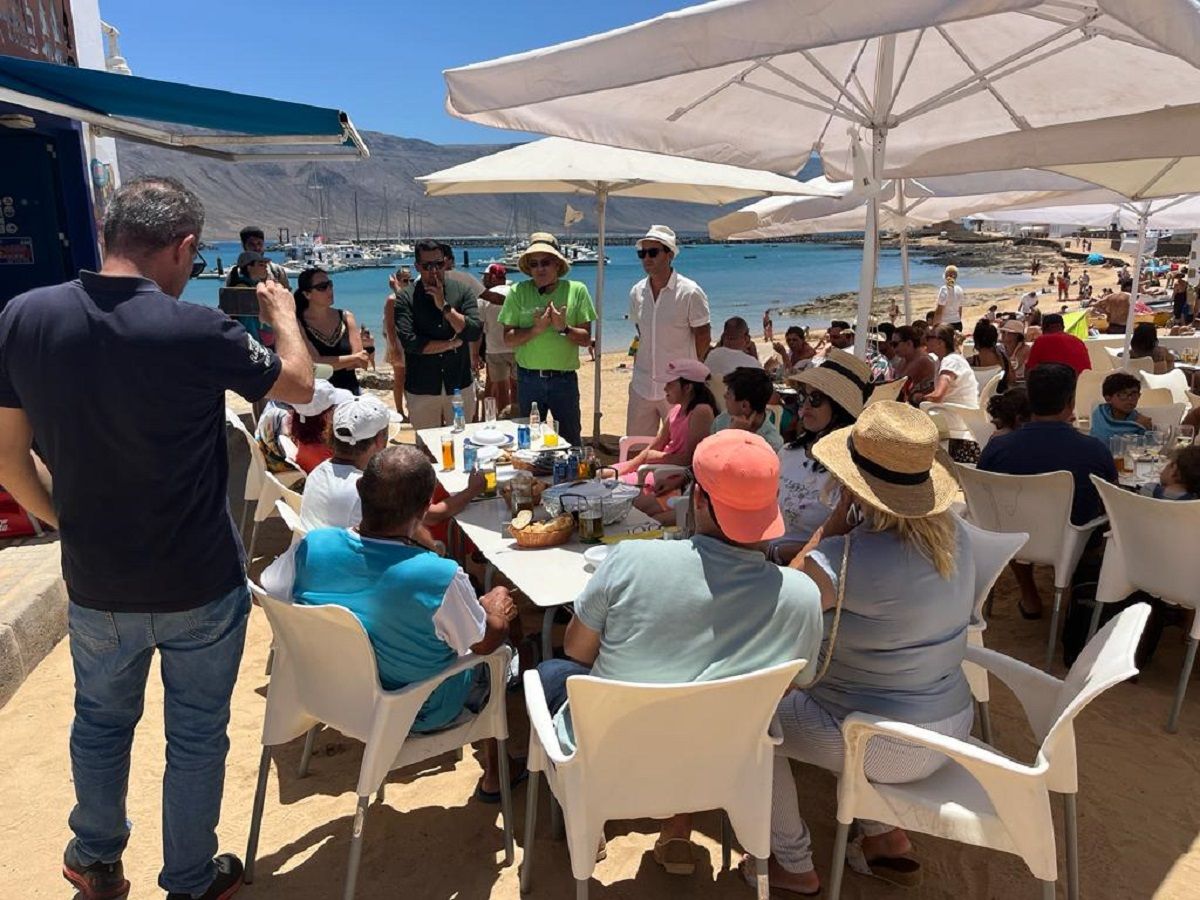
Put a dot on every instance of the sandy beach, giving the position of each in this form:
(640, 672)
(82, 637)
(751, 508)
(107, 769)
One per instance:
(1139, 801)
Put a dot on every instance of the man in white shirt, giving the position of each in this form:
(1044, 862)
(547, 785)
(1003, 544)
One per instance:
(360, 430)
(735, 351)
(1029, 302)
(950, 301)
(670, 313)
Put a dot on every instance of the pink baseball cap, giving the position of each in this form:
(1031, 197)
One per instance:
(739, 472)
(688, 369)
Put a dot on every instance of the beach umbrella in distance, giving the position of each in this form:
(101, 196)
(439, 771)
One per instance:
(562, 166)
(903, 204)
(1150, 161)
(762, 83)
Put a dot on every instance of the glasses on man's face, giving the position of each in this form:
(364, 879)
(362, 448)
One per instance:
(432, 265)
(815, 399)
(542, 262)
(322, 285)
(650, 252)
(1130, 394)
(199, 264)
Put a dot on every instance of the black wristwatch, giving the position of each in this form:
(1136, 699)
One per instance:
(565, 330)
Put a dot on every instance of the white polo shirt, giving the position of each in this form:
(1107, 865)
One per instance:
(952, 300)
(665, 327)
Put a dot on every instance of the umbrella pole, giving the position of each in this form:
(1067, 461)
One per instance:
(601, 203)
(903, 207)
(1143, 216)
(883, 100)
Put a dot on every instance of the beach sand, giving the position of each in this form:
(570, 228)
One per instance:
(1139, 802)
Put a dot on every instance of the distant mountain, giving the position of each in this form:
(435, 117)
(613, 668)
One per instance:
(286, 195)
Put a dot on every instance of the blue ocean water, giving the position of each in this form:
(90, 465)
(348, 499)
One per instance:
(740, 279)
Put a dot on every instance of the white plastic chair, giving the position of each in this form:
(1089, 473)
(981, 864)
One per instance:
(256, 468)
(291, 518)
(682, 504)
(984, 374)
(1143, 365)
(1087, 391)
(991, 552)
(272, 489)
(657, 750)
(963, 422)
(1157, 397)
(325, 672)
(1039, 505)
(632, 445)
(1168, 414)
(982, 797)
(1148, 549)
(1102, 356)
(1174, 381)
(889, 390)
(989, 389)
(775, 415)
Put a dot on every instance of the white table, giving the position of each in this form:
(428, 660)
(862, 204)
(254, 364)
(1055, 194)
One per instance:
(550, 577)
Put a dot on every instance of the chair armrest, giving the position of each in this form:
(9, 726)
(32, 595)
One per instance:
(541, 723)
(1088, 527)
(496, 661)
(660, 469)
(288, 446)
(632, 440)
(1036, 690)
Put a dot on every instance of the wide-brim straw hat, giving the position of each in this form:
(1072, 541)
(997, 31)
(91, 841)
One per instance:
(543, 242)
(843, 377)
(890, 458)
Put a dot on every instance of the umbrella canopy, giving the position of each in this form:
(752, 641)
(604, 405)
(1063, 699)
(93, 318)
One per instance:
(1173, 213)
(761, 83)
(559, 165)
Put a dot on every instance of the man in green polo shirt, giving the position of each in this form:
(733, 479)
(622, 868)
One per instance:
(547, 320)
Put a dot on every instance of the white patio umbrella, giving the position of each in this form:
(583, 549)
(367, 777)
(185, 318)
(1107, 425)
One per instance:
(562, 166)
(903, 204)
(1150, 161)
(761, 83)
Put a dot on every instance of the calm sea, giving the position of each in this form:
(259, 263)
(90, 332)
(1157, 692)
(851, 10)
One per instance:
(740, 280)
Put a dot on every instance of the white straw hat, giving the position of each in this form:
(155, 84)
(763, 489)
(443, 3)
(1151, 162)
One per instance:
(663, 235)
(843, 377)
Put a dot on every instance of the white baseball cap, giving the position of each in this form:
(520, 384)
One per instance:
(324, 396)
(360, 419)
(663, 235)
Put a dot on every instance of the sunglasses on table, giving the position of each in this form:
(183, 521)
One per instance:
(650, 252)
(322, 285)
(815, 399)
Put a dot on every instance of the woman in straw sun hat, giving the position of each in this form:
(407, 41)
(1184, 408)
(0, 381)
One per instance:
(900, 563)
(830, 396)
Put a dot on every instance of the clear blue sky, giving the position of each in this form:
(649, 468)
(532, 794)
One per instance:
(379, 60)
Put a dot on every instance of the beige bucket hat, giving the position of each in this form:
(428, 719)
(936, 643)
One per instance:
(543, 242)
(891, 460)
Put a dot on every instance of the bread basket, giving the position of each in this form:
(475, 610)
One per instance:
(544, 534)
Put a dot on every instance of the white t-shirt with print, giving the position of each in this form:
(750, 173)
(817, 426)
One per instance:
(807, 494)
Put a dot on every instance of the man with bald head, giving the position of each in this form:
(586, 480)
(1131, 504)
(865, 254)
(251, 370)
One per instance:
(418, 609)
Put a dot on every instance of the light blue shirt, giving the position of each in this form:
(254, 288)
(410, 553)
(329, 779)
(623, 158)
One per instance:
(903, 630)
(767, 432)
(672, 612)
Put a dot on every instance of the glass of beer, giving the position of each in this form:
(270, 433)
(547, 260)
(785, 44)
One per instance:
(591, 520)
(447, 452)
(489, 478)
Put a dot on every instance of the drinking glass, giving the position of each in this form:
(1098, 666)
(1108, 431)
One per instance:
(489, 409)
(1118, 445)
(1184, 435)
(447, 452)
(591, 520)
(489, 478)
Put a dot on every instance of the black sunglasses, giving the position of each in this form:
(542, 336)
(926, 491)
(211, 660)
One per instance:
(199, 264)
(650, 252)
(431, 265)
(322, 285)
(815, 399)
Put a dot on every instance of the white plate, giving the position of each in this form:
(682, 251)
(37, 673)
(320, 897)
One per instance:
(595, 555)
(487, 454)
(493, 436)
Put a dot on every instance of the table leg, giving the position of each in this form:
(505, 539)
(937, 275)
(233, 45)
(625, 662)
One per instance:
(548, 633)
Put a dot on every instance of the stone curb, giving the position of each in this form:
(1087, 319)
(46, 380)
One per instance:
(31, 624)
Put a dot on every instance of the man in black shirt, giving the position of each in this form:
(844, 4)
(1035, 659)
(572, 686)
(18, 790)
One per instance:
(437, 318)
(123, 388)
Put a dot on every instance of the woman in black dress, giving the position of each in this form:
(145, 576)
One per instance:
(333, 335)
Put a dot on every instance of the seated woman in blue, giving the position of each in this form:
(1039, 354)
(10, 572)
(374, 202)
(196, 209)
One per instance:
(1118, 413)
(418, 609)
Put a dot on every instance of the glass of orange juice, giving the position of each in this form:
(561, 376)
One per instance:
(447, 452)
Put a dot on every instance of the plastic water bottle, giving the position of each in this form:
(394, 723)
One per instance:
(460, 421)
(535, 422)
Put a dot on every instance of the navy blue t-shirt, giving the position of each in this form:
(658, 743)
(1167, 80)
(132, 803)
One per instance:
(125, 389)
(1039, 447)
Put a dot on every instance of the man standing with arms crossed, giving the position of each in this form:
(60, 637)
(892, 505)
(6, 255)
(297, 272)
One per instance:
(150, 554)
(670, 313)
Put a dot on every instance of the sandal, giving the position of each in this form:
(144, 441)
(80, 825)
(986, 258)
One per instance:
(675, 856)
(902, 871)
(494, 796)
(751, 879)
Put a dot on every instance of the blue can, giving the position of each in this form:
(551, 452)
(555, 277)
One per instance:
(561, 470)
(572, 465)
(470, 456)
(523, 437)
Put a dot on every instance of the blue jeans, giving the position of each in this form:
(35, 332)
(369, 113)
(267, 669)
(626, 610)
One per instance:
(201, 650)
(554, 674)
(558, 393)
